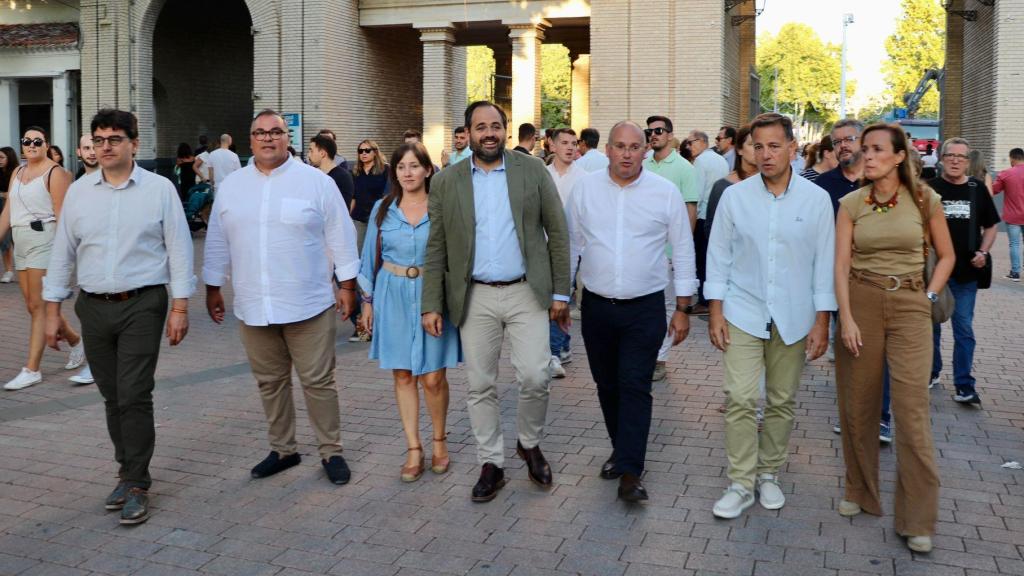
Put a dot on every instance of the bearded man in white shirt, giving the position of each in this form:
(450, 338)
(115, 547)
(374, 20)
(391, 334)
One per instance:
(275, 228)
(769, 281)
(620, 220)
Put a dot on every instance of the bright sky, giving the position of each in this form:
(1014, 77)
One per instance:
(874, 21)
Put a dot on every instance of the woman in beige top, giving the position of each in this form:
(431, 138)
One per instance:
(884, 317)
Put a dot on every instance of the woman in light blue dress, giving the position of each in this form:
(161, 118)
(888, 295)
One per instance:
(391, 281)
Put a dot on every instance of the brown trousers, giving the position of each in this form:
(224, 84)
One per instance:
(895, 327)
(309, 344)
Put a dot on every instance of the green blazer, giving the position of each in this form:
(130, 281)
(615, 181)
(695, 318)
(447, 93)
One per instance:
(540, 225)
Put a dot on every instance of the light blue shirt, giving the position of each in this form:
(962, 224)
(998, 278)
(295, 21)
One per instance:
(458, 156)
(498, 257)
(771, 259)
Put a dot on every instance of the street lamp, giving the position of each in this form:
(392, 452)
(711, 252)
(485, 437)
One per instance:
(847, 20)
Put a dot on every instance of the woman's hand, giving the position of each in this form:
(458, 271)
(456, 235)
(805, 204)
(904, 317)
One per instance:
(851, 337)
(366, 318)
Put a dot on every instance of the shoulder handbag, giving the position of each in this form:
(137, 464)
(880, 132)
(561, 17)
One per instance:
(942, 309)
(982, 275)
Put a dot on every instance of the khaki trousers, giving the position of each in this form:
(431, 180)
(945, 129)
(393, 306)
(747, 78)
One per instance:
(309, 345)
(489, 312)
(895, 326)
(746, 358)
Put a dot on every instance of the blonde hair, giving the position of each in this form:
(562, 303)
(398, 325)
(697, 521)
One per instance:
(378, 161)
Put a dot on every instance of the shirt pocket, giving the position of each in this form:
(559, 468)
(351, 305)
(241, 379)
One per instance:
(295, 211)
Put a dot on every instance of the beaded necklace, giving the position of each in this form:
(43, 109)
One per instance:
(882, 207)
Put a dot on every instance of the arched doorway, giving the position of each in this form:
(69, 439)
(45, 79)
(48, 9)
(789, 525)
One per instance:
(203, 73)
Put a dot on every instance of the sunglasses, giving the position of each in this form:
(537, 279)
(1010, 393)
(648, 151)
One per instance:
(365, 150)
(37, 142)
(659, 131)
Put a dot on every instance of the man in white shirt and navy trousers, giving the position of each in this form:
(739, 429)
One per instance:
(123, 230)
(620, 220)
(275, 228)
(769, 282)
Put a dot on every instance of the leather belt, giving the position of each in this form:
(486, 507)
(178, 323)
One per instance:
(890, 283)
(501, 283)
(621, 301)
(119, 296)
(404, 271)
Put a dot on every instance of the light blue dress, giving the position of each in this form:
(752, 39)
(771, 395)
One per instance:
(399, 341)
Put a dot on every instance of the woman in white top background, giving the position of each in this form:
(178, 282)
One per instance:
(35, 195)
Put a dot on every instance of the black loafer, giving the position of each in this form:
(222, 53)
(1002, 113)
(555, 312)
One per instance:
(136, 507)
(116, 499)
(337, 470)
(537, 467)
(273, 464)
(608, 469)
(491, 480)
(630, 489)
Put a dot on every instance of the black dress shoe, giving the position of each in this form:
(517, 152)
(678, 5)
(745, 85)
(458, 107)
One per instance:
(630, 488)
(337, 470)
(608, 469)
(491, 480)
(116, 499)
(136, 507)
(273, 464)
(536, 466)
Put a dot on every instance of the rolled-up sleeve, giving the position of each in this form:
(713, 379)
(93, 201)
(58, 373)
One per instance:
(720, 255)
(340, 232)
(824, 261)
(56, 283)
(684, 260)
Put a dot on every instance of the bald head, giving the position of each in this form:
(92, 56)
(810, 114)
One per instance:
(625, 150)
(626, 126)
(225, 140)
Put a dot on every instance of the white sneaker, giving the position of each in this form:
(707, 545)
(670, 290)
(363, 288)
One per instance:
(837, 429)
(565, 356)
(733, 502)
(7, 277)
(556, 368)
(76, 357)
(83, 377)
(769, 492)
(24, 380)
(934, 382)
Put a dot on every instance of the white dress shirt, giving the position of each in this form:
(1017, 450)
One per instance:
(565, 182)
(592, 161)
(621, 233)
(223, 162)
(276, 237)
(710, 168)
(771, 259)
(121, 238)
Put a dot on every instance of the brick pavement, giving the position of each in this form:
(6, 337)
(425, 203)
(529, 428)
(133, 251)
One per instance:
(210, 518)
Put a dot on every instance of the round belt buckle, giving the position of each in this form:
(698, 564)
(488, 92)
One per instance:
(412, 272)
(896, 284)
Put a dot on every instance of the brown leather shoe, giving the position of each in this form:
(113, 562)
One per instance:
(630, 488)
(491, 480)
(536, 466)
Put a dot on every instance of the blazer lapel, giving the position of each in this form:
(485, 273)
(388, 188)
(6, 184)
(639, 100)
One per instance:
(467, 207)
(516, 184)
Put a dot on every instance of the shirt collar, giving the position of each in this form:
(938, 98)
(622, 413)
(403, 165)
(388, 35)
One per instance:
(476, 169)
(608, 178)
(668, 159)
(135, 177)
(789, 186)
(276, 171)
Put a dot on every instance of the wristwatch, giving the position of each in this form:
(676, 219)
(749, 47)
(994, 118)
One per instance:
(933, 297)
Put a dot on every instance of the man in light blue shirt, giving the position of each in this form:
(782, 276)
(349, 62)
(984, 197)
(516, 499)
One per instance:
(771, 288)
(460, 141)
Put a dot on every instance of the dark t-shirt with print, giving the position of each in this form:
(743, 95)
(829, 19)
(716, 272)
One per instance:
(959, 201)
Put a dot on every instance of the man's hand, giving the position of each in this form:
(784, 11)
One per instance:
(679, 327)
(177, 327)
(560, 313)
(52, 326)
(215, 304)
(718, 329)
(445, 157)
(345, 302)
(817, 340)
(432, 323)
(979, 260)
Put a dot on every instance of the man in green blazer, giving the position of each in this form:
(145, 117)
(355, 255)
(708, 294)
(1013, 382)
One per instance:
(498, 259)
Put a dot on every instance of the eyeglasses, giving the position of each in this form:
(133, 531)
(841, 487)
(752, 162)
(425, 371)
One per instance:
(620, 147)
(365, 150)
(658, 131)
(37, 142)
(951, 156)
(690, 141)
(274, 134)
(97, 141)
(848, 140)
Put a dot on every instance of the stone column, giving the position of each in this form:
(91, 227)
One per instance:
(526, 41)
(438, 51)
(60, 118)
(9, 116)
(580, 105)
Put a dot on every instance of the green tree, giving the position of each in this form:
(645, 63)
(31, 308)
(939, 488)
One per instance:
(917, 45)
(479, 69)
(555, 84)
(808, 73)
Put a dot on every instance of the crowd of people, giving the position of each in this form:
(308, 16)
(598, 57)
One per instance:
(437, 266)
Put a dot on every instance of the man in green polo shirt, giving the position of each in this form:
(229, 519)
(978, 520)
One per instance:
(667, 163)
